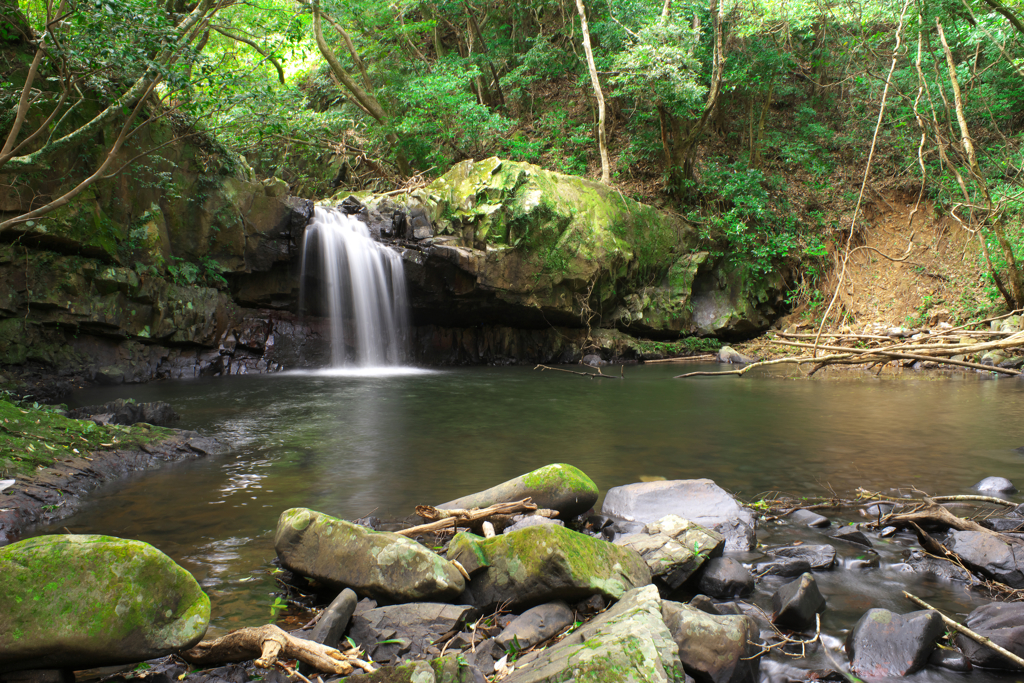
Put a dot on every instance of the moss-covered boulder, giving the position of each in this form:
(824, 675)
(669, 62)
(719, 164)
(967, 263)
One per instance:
(554, 487)
(74, 602)
(544, 563)
(629, 642)
(377, 564)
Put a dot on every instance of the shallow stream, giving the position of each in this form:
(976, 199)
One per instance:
(352, 444)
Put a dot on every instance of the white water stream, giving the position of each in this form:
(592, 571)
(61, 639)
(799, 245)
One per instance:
(362, 291)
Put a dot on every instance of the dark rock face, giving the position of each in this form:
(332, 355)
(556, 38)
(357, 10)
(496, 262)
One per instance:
(989, 555)
(947, 658)
(415, 625)
(713, 648)
(851, 534)
(796, 604)
(536, 625)
(1003, 624)
(887, 644)
(121, 412)
(724, 577)
(698, 500)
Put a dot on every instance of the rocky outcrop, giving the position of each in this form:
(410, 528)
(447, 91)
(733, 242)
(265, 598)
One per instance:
(372, 563)
(75, 602)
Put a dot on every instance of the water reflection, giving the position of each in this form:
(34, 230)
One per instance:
(352, 445)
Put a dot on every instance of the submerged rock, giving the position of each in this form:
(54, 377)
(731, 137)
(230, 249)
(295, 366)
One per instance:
(720, 649)
(556, 487)
(375, 563)
(674, 548)
(698, 500)
(542, 564)
(74, 602)
(727, 354)
(884, 643)
(1003, 624)
(629, 642)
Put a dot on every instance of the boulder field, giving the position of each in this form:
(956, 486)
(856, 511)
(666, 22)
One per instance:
(561, 593)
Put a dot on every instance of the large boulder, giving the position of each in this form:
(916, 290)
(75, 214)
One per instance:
(378, 564)
(698, 500)
(990, 555)
(884, 643)
(674, 548)
(1003, 624)
(629, 642)
(545, 563)
(554, 487)
(74, 602)
(716, 648)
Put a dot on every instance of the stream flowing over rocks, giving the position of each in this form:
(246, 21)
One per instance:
(622, 595)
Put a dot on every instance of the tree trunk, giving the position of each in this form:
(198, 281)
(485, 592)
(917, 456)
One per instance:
(602, 143)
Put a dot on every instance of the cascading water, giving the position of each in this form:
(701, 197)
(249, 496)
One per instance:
(362, 290)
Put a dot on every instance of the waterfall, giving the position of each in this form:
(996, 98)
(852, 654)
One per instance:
(361, 289)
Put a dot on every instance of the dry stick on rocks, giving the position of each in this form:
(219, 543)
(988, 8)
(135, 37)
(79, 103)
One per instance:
(451, 518)
(907, 356)
(266, 644)
(976, 637)
(591, 375)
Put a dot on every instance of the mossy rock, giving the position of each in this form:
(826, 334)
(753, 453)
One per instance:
(378, 564)
(75, 602)
(560, 487)
(544, 563)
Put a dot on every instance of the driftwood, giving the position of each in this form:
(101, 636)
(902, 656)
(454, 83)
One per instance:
(931, 512)
(591, 375)
(499, 514)
(266, 644)
(976, 637)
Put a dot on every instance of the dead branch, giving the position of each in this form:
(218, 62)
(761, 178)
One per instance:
(266, 644)
(591, 375)
(444, 519)
(976, 637)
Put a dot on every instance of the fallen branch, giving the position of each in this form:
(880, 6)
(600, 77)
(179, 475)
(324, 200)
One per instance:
(443, 519)
(865, 356)
(591, 375)
(683, 359)
(266, 644)
(976, 637)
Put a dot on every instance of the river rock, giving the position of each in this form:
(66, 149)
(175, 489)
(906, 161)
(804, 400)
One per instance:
(531, 520)
(950, 659)
(447, 669)
(593, 360)
(1003, 624)
(555, 487)
(1003, 524)
(674, 548)
(939, 569)
(887, 644)
(629, 642)
(376, 563)
(782, 566)
(795, 605)
(808, 518)
(727, 354)
(995, 485)
(819, 557)
(989, 555)
(720, 649)
(334, 620)
(396, 632)
(698, 500)
(75, 602)
(536, 625)
(851, 534)
(724, 577)
(543, 564)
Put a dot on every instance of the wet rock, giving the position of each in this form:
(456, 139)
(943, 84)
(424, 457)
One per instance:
(876, 510)
(674, 548)
(1003, 524)
(782, 566)
(945, 658)
(713, 648)
(795, 605)
(613, 528)
(808, 519)
(698, 500)
(334, 620)
(868, 561)
(989, 555)
(724, 577)
(1003, 624)
(628, 642)
(727, 354)
(140, 604)
(376, 563)
(887, 644)
(532, 520)
(536, 625)
(127, 412)
(593, 360)
(851, 534)
(704, 604)
(390, 634)
(556, 487)
(543, 564)
(819, 557)
(447, 669)
(995, 485)
(940, 569)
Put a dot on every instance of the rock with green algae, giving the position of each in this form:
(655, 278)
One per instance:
(554, 487)
(544, 563)
(377, 564)
(629, 642)
(73, 602)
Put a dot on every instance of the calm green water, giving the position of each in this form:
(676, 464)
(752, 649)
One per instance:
(353, 445)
